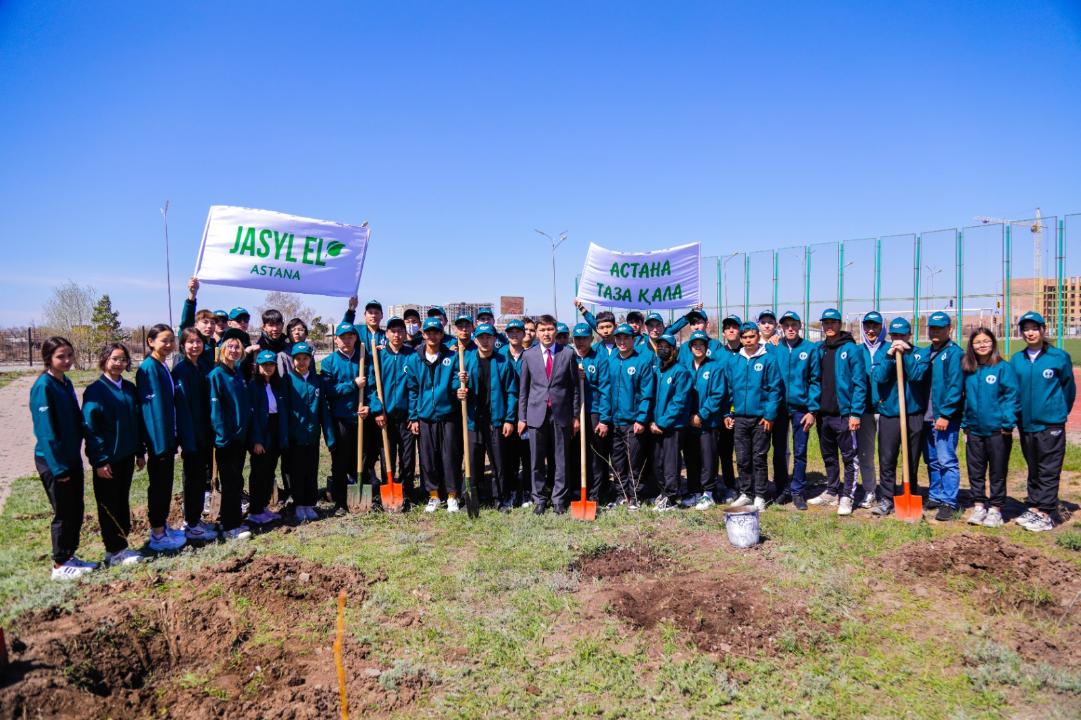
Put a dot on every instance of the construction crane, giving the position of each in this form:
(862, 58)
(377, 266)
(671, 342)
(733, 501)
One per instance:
(1036, 228)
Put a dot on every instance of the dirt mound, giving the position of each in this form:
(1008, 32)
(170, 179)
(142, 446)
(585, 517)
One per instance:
(610, 562)
(250, 638)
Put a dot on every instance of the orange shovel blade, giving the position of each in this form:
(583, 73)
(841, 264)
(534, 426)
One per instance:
(584, 509)
(390, 493)
(908, 507)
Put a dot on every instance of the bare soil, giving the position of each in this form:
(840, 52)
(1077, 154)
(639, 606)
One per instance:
(250, 638)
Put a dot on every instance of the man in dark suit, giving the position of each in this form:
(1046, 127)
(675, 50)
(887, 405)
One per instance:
(548, 403)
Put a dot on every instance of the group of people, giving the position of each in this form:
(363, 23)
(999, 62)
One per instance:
(662, 421)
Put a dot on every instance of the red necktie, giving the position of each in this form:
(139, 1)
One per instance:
(548, 363)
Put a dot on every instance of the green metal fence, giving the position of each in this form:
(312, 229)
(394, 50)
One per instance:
(982, 275)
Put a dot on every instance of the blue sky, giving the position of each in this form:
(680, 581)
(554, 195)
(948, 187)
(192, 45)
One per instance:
(457, 128)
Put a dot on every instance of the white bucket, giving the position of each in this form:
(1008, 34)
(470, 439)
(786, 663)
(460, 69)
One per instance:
(743, 529)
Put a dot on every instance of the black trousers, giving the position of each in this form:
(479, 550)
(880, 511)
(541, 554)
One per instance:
(889, 449)
(517, 468)
(666, 463)
(194, 466)
(66, 499)
(726, 448)
(304, 473)
(343, 458)
(983, 454)
(752, 451)
(159, 490)
(598, 460)
(865, 452)
(629, 460)
(113, 498)
(700, 457)
(441, 455)
(835, 438)
(1044, 452)
(487, 440)
(261, 479)
(373, 451)
(778, 439)
(231, 478)
(550, 447)
(403, 456)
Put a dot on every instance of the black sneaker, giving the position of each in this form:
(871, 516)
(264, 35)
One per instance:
(340, 511)
(932, 504)
(784, 498)
(539, 508)
(884, 508)
(799, 502)
(945, 513)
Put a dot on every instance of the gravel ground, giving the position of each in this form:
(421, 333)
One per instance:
(17, 430)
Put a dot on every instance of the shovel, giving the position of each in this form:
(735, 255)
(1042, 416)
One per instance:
(472, 502)
(360, 495)
(390, 492)
(908, 507)
(583, 508)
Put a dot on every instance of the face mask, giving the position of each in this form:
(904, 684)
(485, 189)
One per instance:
(411, 328)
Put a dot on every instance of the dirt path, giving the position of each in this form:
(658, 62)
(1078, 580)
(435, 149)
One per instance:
(17, 431)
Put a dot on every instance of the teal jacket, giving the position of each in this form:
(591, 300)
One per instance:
(192, 407)
(157, 407)
(916, 365)
(869, 362)
(58, 424)
(850, 376)
(598, 386)
(673, 329)
(187, 320)
(709, 394)
(801, 371)
(1047, 388)
(947, 382)
(339, 375)
(633, 384)
(991, 400)
(502, 389)
(307, 411)
(395, 391)
(260, 434)
(515, 363)
(672, 404)
(714, 348)
(230, 406)
(431, 394)
(364, 333)
(755, 385)
(111, 417)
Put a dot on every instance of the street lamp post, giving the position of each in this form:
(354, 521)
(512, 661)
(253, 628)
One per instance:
(555, 244)
(724, 279)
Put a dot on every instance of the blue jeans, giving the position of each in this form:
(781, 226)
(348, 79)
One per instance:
(943, 468)
(799, 452)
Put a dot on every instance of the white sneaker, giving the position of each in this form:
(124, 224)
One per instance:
(452, 505)
(844, 507)
(705, 502)
(165, 542)
(760, 504)
(433, 505)
(663, 504)
(241, 532)
(127, 556)
(826, 498)
(79, 562)
(978, 515)
(868, 501)
(527, 503)
(993, 519)
(68, 571)
(742, 501)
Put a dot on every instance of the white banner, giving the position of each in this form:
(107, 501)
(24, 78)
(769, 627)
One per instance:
(270, 250)
(657, 280)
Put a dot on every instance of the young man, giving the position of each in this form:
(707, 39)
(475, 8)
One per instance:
(915, 368)
(203, 321)
(548, 405)
(843, 400)
(373, 443)
(339, 373)
(413, 336)
(709, 402)
(463, 330)
(392, 412)
(801, 371)
(221, 324)
(754, 382)
(1048, 391)
(517, 470)
(604, 324)
(489, 386)
(671, 414)
(942, 419)
(767, 328)
(873, 342)
(274, 339)
(563, 334)
(435, 416)
(530, 332)
(726, 446)
(769, 337)
(593, 370)
(630, 372)
(373, 316)
(486, 316)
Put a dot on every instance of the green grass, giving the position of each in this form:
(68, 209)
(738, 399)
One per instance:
(1073, 346)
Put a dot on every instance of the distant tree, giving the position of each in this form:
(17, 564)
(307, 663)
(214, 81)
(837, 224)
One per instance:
(105, 322)
(288, 304)
(69, 312)
(318, 330)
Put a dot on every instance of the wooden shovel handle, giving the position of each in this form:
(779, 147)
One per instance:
(582, 431)
(465, 415)
(360, 420)
(898, 359)
(378, 370)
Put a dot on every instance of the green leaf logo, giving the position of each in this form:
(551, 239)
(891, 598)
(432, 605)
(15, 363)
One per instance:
(335, 248)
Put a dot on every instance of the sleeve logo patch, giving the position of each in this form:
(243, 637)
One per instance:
(592, 368)
(446, 362)
(1048, 373)
(43, 408)
(844, 355)
(758, 367)
(992, 379)
(705, 375)
(630, 370)
(803, 356)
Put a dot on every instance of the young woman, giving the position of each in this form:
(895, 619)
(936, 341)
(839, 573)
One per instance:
(114, 448)
(58, 427)
(990, 413)
(195, 433)
(230, 414)
(268, 436)
(306, 411)
(1047, 393)
(158, 415)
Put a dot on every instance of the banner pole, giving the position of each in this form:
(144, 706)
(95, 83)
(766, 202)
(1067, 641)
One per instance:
(168, 271)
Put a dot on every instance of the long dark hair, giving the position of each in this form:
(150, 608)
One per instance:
(156, 330)
(51, 345)
(107, 352)
(970, 363)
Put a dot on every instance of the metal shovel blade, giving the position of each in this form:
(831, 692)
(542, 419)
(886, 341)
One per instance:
(584, 509)
(391, 494)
